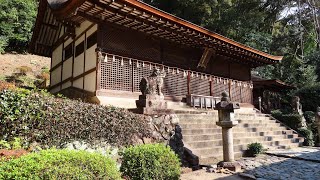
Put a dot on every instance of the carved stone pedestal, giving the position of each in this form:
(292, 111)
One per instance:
(151, 104)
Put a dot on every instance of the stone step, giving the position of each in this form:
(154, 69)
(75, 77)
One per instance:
(256, 121)
(214, 117)
(198, 121)
(271, 140)
(216, 150)
(258, 129)
(245, 140)
(201, 131)
(195, 131)
(215, 136)
(257, 125)
(198, 126)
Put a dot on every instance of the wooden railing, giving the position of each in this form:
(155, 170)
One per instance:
(202, 101)
(124, 74)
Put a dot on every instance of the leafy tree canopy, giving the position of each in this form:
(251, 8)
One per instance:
(17, 18)
(281, 27)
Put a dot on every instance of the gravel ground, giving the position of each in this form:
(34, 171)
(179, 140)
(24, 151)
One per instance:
(272, 167)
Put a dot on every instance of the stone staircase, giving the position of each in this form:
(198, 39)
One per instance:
(203, 137)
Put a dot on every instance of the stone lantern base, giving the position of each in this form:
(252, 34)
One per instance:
(232, 166)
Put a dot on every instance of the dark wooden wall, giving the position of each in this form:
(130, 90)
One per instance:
(134, 44)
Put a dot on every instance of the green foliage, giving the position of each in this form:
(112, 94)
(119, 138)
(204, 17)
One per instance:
(16, 143)
(17, 18)
(307, 133)
(309, 96)
(150, 161)
(292, 120)
(60, 164)
(255, 149)
(3, 44)
(309, 116)
(37, 116)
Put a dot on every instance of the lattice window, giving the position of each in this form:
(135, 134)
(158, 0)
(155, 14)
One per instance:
(200, 85)
(219, 86)
(175, 84)
(125, 74)
(246, 93)
(235, 92)
(116, 74)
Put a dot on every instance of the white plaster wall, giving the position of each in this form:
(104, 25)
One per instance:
(78, 83)
(90, 82)
(56, 76)
(57, 56)
(92, 30)
(79, 40)
(67, 42)
(67, 69)
(91, 58)
(61, 31)
(83, 27)
(78, 65)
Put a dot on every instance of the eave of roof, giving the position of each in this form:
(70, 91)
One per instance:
(273, 83)
(68, 8)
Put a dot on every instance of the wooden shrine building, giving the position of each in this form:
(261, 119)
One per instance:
(133, 38)
(270, 92)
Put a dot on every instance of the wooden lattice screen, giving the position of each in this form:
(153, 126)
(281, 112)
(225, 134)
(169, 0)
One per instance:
(124, 74)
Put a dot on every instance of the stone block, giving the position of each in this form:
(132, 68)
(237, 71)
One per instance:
(232, 166)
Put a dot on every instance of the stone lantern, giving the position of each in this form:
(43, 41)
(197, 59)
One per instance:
(227, 121)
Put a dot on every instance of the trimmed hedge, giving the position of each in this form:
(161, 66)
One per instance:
(37, 116)
(291, 120)
(60, 164)
(150, 161)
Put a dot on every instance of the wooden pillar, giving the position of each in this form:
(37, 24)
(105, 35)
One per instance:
(98, 68)
(230, 95)
(211, 88)
(188, 83)
(241, 96)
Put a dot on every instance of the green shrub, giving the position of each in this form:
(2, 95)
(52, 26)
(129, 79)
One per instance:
(291, 120)
(255, 149)
(150, 161)
(60, 164)
(309, 116)
(276, 114)
(37, 116)
(309, 96)
(308, 136)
